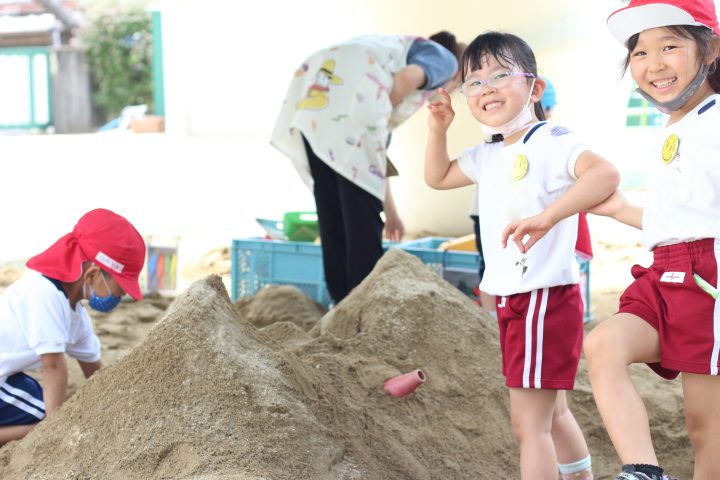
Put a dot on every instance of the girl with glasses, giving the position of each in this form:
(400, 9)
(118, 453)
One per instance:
(533, 178)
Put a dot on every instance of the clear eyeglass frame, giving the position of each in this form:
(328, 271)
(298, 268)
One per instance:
(473, 88)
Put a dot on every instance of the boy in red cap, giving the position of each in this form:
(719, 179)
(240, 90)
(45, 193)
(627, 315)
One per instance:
(669, 317)
(42, 317)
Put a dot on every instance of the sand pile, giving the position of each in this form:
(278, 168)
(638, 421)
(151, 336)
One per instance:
(209, 396)
(8, 274)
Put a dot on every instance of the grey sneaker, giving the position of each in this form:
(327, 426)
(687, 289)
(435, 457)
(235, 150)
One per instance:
(629, 473)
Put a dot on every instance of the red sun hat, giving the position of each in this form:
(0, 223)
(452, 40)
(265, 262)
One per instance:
(642, 15)
(106, 239)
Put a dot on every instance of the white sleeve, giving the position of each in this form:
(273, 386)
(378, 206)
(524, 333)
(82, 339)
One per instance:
(468, 163)
(86, 345)
(566, 148)
(47, 321)
(573, 158)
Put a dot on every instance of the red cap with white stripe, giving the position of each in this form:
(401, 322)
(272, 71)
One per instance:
(106, 239)
(642, 15)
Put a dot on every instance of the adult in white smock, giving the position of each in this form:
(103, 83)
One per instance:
(335, 126)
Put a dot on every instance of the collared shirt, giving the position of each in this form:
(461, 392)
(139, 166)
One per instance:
(518, 181)
(683, 192)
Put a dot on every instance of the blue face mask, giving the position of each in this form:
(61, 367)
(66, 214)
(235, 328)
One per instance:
(102, 304)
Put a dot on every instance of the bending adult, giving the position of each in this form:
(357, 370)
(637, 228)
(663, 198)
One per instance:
(335, 125)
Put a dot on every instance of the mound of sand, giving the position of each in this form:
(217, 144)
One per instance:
(207, 395)
(280, 303)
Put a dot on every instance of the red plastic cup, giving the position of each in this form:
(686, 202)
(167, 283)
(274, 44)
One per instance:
(404, 384)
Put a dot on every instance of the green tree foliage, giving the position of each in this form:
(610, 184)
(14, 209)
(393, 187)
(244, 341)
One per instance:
(118, 46)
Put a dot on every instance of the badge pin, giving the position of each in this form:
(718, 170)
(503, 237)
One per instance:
(520, 167)
(670, 148)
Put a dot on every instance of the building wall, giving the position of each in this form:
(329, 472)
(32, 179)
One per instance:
(227, 65)
(72, 98)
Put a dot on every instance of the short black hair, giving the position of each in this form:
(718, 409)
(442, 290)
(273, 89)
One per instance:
(508, 49)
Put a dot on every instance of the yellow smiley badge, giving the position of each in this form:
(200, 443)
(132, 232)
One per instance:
(670, 148)
(520, 167)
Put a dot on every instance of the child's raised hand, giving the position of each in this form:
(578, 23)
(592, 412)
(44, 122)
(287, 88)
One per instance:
(441, 112)
(532, 227)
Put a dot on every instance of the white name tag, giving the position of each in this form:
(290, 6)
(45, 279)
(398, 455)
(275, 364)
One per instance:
(673, 277)
(112, 264)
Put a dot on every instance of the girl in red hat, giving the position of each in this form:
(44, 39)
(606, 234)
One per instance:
(532, 177)
(42, 317)
(669, 317)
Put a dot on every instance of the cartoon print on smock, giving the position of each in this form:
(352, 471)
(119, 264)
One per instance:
(340, 102)
(317, 94)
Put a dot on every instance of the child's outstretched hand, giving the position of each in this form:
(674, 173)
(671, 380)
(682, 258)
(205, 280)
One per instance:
(441, 112)
(532, 227)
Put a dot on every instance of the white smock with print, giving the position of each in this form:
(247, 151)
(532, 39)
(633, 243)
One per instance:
(339, 100)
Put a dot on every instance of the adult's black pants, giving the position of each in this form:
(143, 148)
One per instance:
(350, 227)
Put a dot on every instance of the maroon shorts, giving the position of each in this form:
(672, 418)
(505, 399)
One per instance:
(686, 317)
(541, 335)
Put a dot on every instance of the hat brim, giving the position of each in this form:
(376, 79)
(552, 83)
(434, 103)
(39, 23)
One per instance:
(628, 21)
(129, 285)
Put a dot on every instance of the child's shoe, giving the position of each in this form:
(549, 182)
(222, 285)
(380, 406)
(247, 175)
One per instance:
(629, 473)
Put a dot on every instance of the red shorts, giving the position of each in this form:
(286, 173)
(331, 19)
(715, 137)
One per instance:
(541, 335)
(686, 317)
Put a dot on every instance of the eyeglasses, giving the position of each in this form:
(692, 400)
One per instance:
(473, 88)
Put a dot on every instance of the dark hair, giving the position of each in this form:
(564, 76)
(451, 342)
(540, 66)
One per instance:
(508, 50)
(702, 36)
(448, 40)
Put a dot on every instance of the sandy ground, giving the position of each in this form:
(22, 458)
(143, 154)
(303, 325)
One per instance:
(274, 387)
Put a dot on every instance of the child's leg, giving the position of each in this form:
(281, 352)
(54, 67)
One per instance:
(568, 438)
(531, 412)
(702, 416)
(609, 349)
(570, 444)
(16, 432)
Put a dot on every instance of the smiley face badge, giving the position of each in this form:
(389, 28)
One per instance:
(520, 167)
(670, 148)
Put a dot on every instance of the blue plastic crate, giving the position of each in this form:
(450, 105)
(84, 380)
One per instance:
(585, 285)
(457, 267)
(257, 262)
(426, 249)
(461, 268)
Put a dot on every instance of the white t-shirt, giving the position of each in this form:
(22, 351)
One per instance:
(510, 188)
(683, 195)
(35, 319)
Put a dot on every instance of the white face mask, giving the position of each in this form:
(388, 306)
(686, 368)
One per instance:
(517, 123)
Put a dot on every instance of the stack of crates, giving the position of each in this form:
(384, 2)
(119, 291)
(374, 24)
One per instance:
(258, 262)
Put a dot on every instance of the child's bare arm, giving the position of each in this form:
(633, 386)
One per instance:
(55, 380)
(596, 180)
(617, 207)
(440, 172)
(88, 368)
